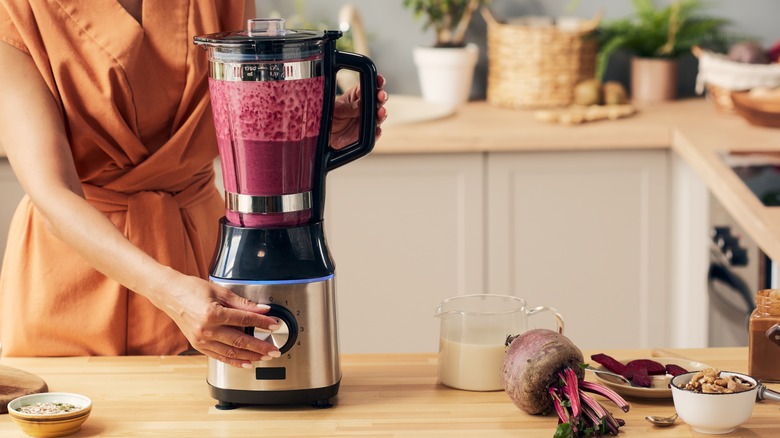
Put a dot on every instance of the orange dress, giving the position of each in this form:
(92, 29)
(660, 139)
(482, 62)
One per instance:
(134, 99)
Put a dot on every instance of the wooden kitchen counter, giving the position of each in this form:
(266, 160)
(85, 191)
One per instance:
(482, 127)
(381, 396)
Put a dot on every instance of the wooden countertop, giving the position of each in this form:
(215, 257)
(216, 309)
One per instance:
(481, 127)
(381, 396)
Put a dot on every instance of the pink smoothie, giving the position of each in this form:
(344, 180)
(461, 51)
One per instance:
(267, 136)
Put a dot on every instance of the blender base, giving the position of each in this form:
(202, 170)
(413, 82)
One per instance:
(228, 399)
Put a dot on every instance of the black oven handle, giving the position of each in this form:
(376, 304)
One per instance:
(721, 273)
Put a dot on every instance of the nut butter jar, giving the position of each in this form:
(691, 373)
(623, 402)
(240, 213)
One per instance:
(764, 345)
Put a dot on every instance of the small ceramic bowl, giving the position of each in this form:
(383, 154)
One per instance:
(713, 413)
(50, 424)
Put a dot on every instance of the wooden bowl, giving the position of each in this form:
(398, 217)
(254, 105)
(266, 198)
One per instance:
(721, 97)
(758, 110)
(50, 425)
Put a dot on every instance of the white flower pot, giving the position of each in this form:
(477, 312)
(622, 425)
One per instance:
(446, 73)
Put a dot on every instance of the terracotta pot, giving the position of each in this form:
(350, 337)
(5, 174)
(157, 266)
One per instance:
(653, 79)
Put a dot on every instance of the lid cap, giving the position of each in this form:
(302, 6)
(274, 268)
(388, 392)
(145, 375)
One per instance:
(266, 27)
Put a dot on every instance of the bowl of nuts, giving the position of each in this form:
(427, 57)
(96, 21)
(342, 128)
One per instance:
(713, 401)
(50, 414)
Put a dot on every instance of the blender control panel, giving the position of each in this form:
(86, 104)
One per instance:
(284, 337)
(306, 313)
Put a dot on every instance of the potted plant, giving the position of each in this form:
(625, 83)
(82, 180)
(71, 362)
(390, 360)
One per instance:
(447, 68)
(656, 37)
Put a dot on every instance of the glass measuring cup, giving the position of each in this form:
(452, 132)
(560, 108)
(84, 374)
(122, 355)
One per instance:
(473, 334)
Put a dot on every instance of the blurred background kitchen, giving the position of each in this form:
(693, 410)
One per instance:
(534, 69)
(393, 32)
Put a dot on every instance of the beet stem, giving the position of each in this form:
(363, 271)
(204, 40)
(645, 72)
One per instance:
(612, 424)
(572, 391)
(608, 420)
(613, 396)
(563, 414)
(592, 416)
(593, 404)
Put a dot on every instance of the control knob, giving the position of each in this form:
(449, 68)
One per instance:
(284, 337)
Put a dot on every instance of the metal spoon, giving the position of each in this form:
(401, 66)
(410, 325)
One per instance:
(611, 374)
(765, 393)
(661, 421)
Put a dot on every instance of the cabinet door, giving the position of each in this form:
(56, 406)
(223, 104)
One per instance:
(584, 232)
(405, 232)
(689, 246)
(10, 195)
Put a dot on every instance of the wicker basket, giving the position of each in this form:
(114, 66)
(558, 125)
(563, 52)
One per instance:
(537, 66)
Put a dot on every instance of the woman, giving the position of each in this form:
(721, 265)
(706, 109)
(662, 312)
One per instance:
(106, 121)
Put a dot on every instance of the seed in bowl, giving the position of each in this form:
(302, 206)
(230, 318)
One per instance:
(711, 382)
(48, 408)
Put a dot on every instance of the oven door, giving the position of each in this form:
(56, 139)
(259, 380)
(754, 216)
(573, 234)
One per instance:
(731, 300)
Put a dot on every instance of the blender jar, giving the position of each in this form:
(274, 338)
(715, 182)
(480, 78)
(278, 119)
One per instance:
(268, 86)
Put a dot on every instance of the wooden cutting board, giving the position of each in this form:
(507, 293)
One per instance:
(16, 383)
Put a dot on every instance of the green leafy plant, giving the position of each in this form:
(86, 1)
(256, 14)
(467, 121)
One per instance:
(659, 32)
(449, 18)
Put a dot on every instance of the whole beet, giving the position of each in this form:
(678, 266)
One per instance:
(532, 363)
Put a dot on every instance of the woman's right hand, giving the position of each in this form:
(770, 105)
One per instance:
(212, 319)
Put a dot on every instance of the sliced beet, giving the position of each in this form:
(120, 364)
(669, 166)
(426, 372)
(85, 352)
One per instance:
(675, 370)
(641, 377)
(609, 363)
(653, 368)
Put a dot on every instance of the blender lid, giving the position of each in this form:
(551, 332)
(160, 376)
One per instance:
(263, 30)
(265, 39)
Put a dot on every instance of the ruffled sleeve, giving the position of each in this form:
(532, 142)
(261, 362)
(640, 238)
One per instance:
(9, 32)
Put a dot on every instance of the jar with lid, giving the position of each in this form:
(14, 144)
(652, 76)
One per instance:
(764, 344)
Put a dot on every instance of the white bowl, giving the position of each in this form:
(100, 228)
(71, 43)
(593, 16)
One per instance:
(50, 425)
(713, 413)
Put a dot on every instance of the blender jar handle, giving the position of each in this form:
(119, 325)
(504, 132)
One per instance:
(558, 316)
(368, 90)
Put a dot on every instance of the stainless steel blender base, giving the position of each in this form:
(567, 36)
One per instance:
(309, 369)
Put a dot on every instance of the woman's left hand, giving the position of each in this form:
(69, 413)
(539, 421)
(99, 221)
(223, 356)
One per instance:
(346, 115)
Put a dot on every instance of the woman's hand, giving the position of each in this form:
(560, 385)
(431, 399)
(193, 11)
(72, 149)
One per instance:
(346, 115)
(212, 319)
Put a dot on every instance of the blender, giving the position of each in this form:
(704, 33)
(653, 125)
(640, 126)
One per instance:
(272, 94)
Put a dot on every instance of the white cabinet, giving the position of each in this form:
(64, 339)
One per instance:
(10, 194)
(586, 233)
(405, 232)
(690, 208)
